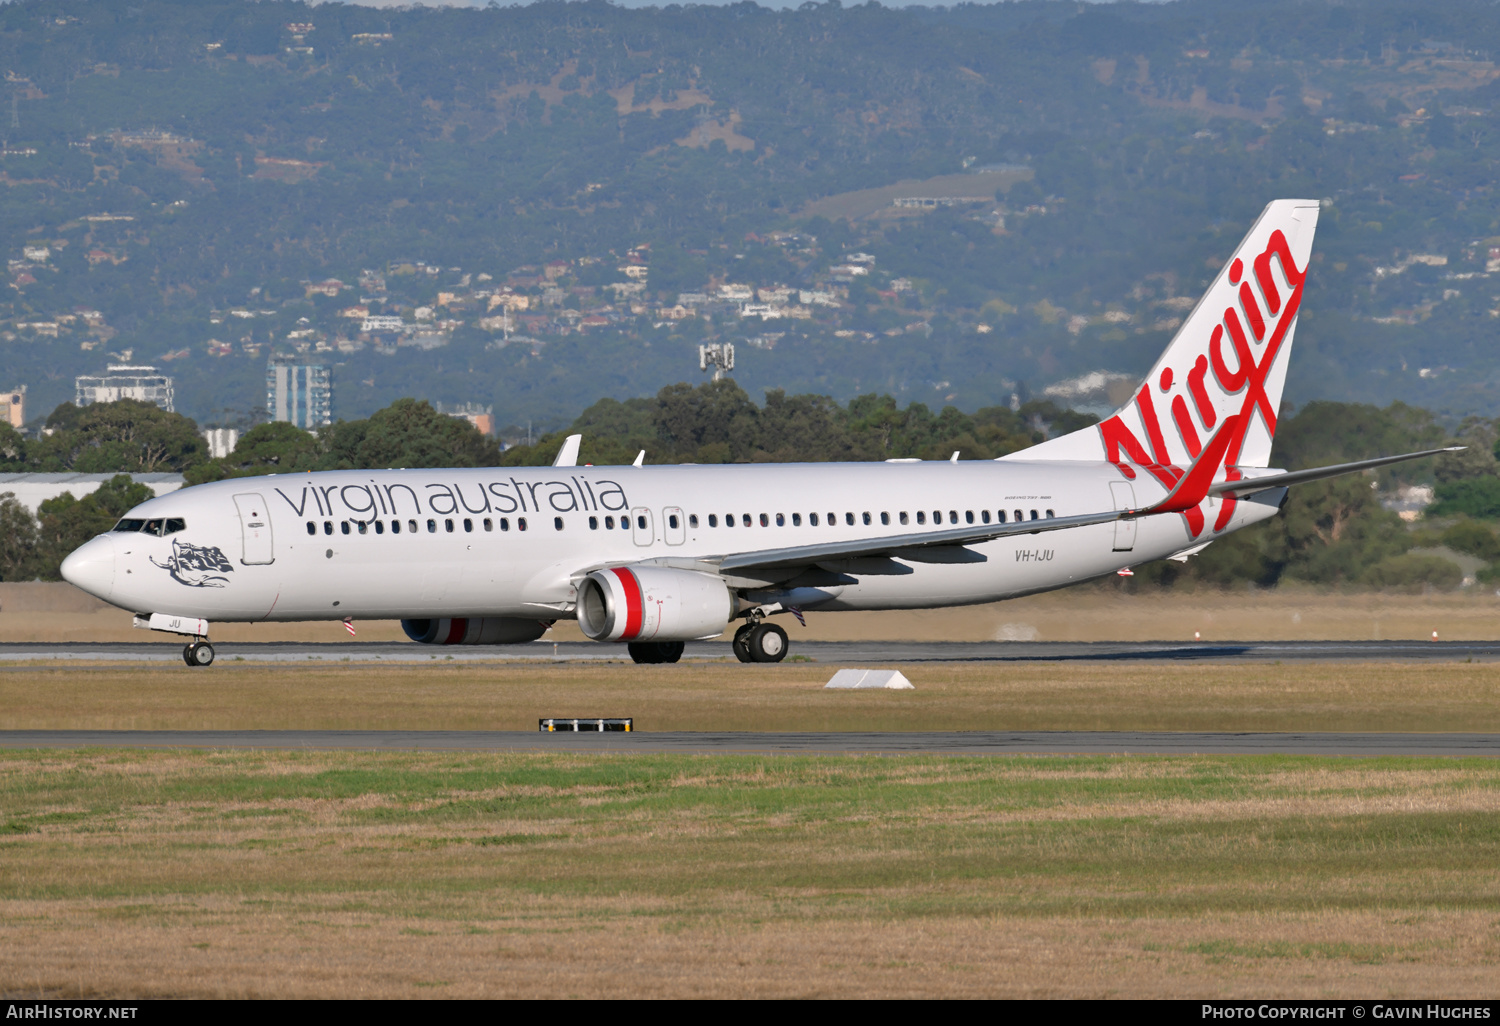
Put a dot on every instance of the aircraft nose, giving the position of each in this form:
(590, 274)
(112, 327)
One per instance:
(91, 566)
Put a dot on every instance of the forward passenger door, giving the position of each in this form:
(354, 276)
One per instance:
(255, 530)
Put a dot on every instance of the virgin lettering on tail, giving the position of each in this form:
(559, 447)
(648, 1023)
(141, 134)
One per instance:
(1229, 359)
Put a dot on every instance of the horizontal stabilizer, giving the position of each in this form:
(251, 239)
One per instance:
(1249, 486)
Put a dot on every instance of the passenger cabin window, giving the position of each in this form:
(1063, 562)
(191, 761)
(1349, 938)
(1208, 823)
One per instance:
(1020, 516)
(432, 527)
(1051, 515)
(1034, 516)
(448, 524)
(593, 523)
(797, 519)
(953, 516)
(885, 519)
(984, 515)
(520, 523)
(764, 521)
(937, 516)
(812, 518)
(328, 527)
(640, 522)
(904, 517)
(489, 525)
(468, 526)
(505, 523)
(557, 524)
(921, 516)
(693, 521)
(395, 527)
(672, 520)
(380, 527)
(344, 526)
(1000, 515)
(312, 528)
(411, 525)
(609, 523)
(780, 520)
(968, 516)
(849, 519)
(713, 520)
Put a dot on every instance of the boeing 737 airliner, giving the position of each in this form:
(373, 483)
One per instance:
(656, 556)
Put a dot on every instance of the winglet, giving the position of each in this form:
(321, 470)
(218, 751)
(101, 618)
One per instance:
(1192, 488)
(567, 456)
(640, 458)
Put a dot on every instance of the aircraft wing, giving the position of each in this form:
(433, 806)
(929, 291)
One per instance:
(938, 546)
(947, 546)
(1249, 486)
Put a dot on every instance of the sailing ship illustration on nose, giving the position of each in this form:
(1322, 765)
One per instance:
(197, 566)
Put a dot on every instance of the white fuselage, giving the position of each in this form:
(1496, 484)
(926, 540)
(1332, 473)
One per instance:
(450, 543)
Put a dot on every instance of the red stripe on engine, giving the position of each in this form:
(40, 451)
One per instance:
(456, 632)
(634, 607)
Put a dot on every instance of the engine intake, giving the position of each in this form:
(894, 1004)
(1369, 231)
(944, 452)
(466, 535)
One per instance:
(489, 630)
(647, 603)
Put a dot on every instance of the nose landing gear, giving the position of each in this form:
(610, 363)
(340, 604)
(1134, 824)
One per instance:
(198, 653)
(760, 643)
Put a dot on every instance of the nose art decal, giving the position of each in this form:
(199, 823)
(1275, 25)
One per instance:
(197, 566)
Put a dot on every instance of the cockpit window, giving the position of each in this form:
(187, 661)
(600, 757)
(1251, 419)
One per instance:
(170, 525)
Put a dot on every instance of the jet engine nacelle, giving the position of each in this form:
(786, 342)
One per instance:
(648, 603)
(489, 630)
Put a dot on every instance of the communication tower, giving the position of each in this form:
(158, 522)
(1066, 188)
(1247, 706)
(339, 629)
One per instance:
(719, 356)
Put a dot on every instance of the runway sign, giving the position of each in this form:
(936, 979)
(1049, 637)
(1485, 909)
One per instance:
(569, 723)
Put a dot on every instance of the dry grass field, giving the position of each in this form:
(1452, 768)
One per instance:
(789, 696)
(408, 875)
(291, 874)
(59, 612)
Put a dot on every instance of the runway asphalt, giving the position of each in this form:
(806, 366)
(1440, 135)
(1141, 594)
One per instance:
(833, 652)
(783, 743)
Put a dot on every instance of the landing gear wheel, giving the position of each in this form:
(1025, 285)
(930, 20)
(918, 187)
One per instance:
(199, 653)
(767, 643)
(656, 651)
(741, 645)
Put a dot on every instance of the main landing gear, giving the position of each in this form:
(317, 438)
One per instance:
(760, 643)
(198, 653)
(656, 651)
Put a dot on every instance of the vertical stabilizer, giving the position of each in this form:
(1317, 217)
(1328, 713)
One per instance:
(1228, 359)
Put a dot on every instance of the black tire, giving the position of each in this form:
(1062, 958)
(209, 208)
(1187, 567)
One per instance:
(656, 651)
(187, 653)
(741, 644)
(767, 644)
(200, 653)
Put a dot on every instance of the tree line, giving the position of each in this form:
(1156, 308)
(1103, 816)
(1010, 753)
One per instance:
(1330, 533)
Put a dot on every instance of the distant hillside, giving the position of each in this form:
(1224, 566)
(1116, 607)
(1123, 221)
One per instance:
(533, 206)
